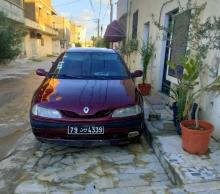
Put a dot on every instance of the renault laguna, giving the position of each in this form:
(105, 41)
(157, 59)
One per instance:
(87, 98)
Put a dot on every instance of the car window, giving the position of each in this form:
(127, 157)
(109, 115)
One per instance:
(90, 65)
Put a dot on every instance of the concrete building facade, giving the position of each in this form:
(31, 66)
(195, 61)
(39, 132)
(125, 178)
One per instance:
(63, 25)
(78, 34)
(13, 9)
(141, 26)
(122, 8)
(41, 38)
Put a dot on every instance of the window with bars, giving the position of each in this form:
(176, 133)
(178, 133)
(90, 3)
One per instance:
(135, 25)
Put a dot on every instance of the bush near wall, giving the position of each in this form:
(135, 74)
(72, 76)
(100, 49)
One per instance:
(11, 37)
(78, 44)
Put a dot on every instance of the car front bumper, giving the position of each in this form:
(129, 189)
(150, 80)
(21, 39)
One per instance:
(115, 132)
(85, 143)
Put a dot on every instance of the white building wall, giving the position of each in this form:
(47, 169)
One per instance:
(122, 6)
(211, 103)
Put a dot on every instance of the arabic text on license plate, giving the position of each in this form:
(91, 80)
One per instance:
(85, 130)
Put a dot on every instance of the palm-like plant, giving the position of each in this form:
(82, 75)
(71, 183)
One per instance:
(146, 53)
(184, 93)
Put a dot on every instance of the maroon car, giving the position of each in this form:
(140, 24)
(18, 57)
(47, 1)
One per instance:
(87, 98)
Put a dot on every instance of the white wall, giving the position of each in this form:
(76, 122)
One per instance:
(121, 7)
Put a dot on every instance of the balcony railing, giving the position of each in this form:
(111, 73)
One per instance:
(34, 25)
(19, 3)
(12, 10)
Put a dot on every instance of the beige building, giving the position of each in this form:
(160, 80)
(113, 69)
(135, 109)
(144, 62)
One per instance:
(78, 34)
(81, 34)
(140, 25)
(63, 26)
(41, 38)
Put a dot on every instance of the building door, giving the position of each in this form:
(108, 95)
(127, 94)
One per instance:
(165, 83)
(146, 33)
(33, 42)
(176, 45)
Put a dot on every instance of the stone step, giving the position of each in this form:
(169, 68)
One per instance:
(183, 168)
(161, 128)
(157, 105)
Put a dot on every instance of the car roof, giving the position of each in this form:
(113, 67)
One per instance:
(92, 50)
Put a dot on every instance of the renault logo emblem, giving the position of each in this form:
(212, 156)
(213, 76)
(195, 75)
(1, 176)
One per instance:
(86, 109)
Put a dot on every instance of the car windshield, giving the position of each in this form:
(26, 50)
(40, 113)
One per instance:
(87, 65)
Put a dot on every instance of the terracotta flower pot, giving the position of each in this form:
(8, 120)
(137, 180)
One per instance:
(144, 89)
(196, 141)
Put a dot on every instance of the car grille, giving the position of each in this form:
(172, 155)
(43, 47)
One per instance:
(99, 114)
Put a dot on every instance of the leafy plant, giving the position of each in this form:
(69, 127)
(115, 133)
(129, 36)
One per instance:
(11, 37)
(129, 46)
(102, 43)
(146, 53)
(78, 44)
(181, 92)
(184, 93)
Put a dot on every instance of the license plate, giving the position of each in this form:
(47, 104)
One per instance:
(74, 130)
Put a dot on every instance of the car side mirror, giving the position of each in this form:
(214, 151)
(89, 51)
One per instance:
(137, 73)
(41, 72)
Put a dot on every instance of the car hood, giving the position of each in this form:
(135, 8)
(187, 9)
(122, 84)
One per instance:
(75, 95)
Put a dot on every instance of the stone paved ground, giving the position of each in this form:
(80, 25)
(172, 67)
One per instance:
(18, 82)
(44, 168)
(33, 167)
(192, 173)
(186, 168)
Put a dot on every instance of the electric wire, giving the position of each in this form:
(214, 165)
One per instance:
(92, 7)
(106, 11)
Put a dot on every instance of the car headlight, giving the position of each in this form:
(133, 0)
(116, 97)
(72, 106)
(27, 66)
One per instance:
(45, 112)
(126, 112)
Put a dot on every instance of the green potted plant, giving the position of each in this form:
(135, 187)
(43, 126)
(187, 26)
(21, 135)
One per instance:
(146, 53)
(182, 109)
(186, 92)
(202, 38)
(195, 130)
(129, 47)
